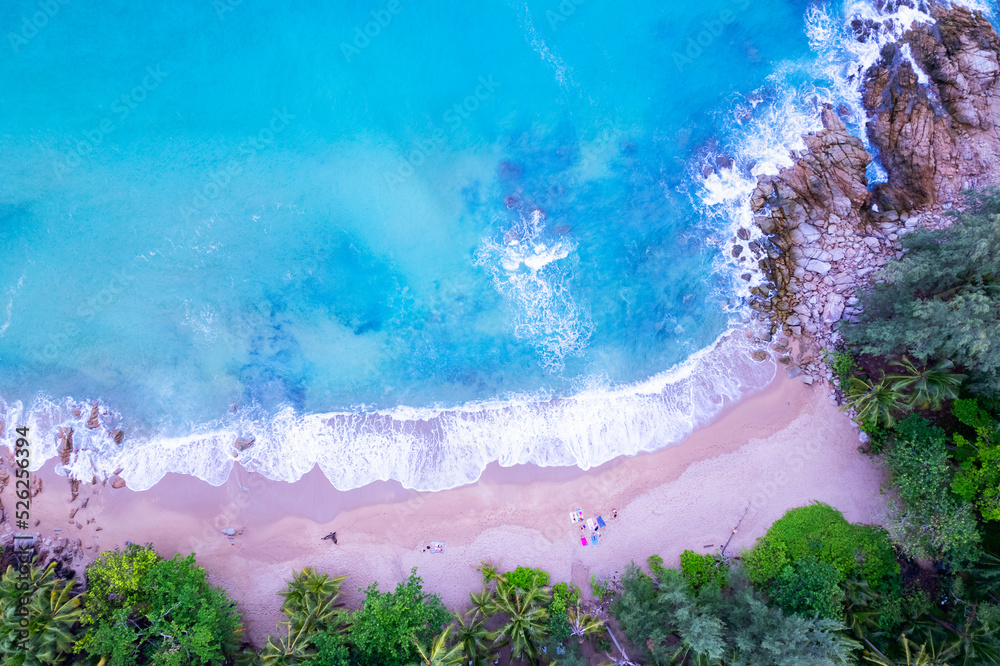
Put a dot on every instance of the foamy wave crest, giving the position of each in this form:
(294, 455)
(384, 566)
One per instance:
(525, 271)
(424, 449)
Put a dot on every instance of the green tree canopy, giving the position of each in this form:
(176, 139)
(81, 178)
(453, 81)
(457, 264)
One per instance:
(820, 531)
(941, 300)
(978, 480)
(810, 588)
(930, 521)
(384, 631)
(704, 569)
(672, 623)
(142, 609)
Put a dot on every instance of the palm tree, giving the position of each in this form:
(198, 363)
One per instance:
(311, 607)
(295, 647)
(53, 610)
(439, 654)
(583, 625)
(472, 636)
(482, 601)
(525, 628)
(53, 614)
(967, 641)
(914, 655)
(622, 660)
(928, 388)
(860, 618)
(876, 403)
(490, 572)
(309, 589)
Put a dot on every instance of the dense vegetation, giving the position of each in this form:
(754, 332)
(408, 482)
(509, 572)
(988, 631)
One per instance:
(941, 300)
(920, 368)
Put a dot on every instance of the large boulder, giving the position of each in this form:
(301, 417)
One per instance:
(937, 130)
(828, 177)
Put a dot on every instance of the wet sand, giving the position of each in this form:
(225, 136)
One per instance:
(783, 447)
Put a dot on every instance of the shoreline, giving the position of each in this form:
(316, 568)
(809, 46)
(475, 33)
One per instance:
(705, 463)
(776, 449)
(428, 449)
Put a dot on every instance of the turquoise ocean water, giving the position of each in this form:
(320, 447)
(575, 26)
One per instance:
(399, 239)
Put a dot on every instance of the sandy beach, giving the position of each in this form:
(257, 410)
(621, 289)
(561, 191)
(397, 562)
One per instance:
(783, 447)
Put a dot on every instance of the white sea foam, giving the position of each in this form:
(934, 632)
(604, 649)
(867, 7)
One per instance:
(425, 449)
(9, 311)
(539, 45)
(917, 69)
(525, 270)
(770, 122)
(444, 447)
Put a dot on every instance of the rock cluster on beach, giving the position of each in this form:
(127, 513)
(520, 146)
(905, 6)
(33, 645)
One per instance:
(937, 133)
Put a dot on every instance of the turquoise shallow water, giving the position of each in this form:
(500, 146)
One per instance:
(229, 217)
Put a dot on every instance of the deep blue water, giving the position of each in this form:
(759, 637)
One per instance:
(211, 208)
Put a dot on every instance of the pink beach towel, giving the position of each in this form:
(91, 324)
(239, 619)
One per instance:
(583, 541)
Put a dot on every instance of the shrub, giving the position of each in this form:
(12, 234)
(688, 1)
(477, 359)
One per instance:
(930, 522)
(701, 570)
(819, 530)
(810, 588)
(564, 596)
(142, 609)
(978, 480)
(525, 578)
(842, 363)
(600, 588)
(765, 561)
(878, 435)
(383, 631)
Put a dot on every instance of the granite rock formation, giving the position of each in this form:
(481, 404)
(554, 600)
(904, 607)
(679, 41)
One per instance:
(937, 133)
(933, 100)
